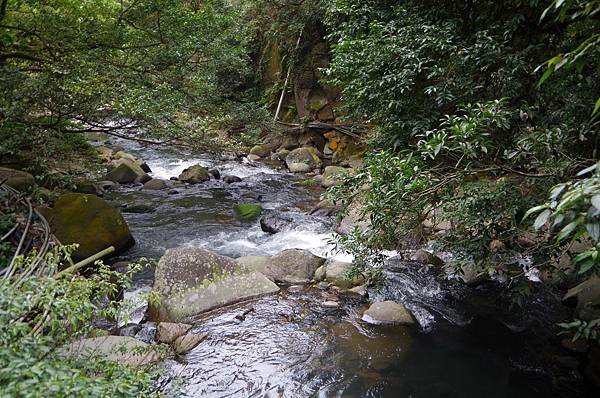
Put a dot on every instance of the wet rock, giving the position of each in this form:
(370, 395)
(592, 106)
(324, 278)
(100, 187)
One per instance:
(303, 160)
(333, 175)
(121, 349)
(144, 178)
(388, 312)
(148, 333)
(215, 173)
(251, 195)
(144, 166)
(336, 272)
(248, 211)
(155, 184)
(124, 155)
(168, 332)
(188, 342)
(295, 289)
(89, 221)
(125, 173)
(274, 222)
(135, 305)
(231, 179)
(107, 185)
(427, 258)
(324, 208)
(262, 151)
(253, 158)
(16, 179)
(330, 304)
(130, 330)
(359, 290)
(293, 266)
(173, 179)
(173, 192)
(193, 280)
(194, 175)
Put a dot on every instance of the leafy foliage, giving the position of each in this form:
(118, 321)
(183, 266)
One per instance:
(40, 314)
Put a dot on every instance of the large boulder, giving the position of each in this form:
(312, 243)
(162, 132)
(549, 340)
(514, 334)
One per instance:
(188, 342)
(303, 160)
(194, 175)
(293, 266)
(155, 184)
(193, 280)
(388, 312)
(121, 349)
(274, 222)
(17, 179)
(332, 175)
(89, 221)
(255, 263)
(337, 272)
(125, 173)
(262, 151)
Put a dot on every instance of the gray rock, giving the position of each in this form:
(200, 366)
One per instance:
(194, 280)
(16, 179)
(387, 312)
(587, 295)
(324, 209)
(330, 304)
(144, 166)
(319, 274)
(231, 179)
(194, 175)
(167, 332)
(336, 272)
(188, 342)
(293, 266)
(148, 333)
(155, 184)
(274, 222)
(255, 263)
(121, 349)
(215, 173)
(130, 330)
(303, 160)
(107, 185)
(144, 178)
(253, 158)
(89, 187)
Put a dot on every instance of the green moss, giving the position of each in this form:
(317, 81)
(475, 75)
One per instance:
(248, 211)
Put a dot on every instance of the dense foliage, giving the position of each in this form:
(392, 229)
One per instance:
(173, 69)
(40, 312)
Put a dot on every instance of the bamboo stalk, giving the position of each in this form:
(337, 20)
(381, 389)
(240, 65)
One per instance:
(85, 262)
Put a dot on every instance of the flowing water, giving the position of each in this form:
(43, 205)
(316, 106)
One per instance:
(468, 343)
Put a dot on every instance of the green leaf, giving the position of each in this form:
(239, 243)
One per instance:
(541, 219)
(596, 201)
(534, 210)
(568, 230)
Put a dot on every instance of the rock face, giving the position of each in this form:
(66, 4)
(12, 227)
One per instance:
(167, 332)
(248, 211)
(125, 173)
(388, 312)
(293, 266)
(332, 175)
(89, 221)
(19, 180)
(353, 218)
(193, 280)
(303, 160)
(336, 272)
(262, 151)
(122, 349)
(194, 175)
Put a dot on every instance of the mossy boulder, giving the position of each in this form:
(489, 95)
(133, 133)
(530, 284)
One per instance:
(303, 160)
(248, 211)
(89, 221)
(194, 175)
(337, 272)
(193, 280)
(17, 179)
(125, 173)
(261, 151)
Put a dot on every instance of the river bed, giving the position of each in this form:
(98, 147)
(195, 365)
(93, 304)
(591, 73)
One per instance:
(290, 344)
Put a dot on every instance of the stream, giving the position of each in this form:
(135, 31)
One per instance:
(468, 344)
